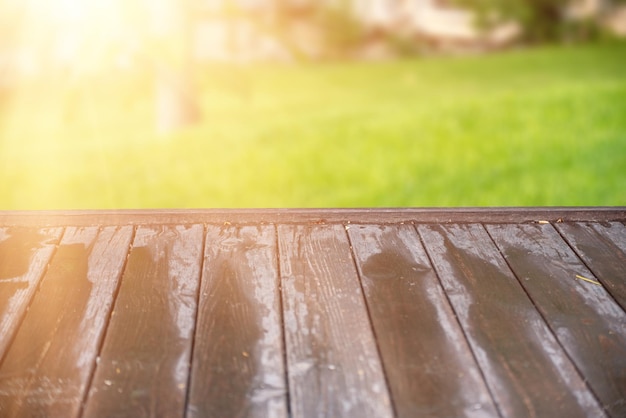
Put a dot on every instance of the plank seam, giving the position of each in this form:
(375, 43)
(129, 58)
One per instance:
(195, 322)
(371, 322)
(282, 322)
(32, 298)
(456, 317)
(595, 273)
(105, 329)
(546, 323)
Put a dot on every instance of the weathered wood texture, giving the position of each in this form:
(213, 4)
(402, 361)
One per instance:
(144, 363)
(602, 246)
(583, 316)
(525, 368)
(430, 368)
(332, 361)
(24, 256)
(47, 367)
(311, 313)
(237, 367)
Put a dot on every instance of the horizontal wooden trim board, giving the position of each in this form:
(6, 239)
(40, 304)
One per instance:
(468, 312)
(362, 215)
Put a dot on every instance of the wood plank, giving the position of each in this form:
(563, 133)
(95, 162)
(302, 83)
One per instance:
(301, 216)
(24, 256)
(238, 368)
(526, 369)
(332, 360)
(602, 246)
(430, 368)
(48, 365)
(143, 365)
(588, 323)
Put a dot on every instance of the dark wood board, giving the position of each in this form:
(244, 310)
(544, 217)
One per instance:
(332, 360)
(299, 216)
(527, 371)
(602, 246)
(24, 256)
(144, 361)
(588, 323)
(430, 368)
(47, 367)
(238, 368)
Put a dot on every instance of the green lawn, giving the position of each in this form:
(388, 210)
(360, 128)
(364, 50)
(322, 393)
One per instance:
(534, 127)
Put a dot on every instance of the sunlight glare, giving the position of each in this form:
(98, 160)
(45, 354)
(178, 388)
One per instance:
(74, 34)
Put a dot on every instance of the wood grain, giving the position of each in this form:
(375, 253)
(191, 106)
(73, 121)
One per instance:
(430, 367)
(509, 332)
(238, 368)
(144, 363)
(602, 246)
(526, 369)
(24, 256)
(585, 319)
(333, 364)
(47, 367)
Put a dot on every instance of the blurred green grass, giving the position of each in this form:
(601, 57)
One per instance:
(531, 127)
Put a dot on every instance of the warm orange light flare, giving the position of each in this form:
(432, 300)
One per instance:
(80, 35)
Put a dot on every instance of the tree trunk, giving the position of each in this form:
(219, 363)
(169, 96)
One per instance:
(176, 101)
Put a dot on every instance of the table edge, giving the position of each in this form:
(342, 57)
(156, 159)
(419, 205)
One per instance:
(313, 215)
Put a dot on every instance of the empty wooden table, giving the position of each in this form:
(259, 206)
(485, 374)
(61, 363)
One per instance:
(511, 312)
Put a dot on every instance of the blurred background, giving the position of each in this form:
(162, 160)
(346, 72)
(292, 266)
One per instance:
(311, 103)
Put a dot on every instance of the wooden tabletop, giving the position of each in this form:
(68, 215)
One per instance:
(510, 312)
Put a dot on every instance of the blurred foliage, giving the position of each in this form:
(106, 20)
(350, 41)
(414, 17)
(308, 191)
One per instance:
(541, 20)
(343, 32)
(340, 32)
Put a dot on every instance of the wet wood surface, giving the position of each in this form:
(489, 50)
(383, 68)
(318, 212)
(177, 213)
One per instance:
(24, 256)
(583, 315)
(602, 246)
(332, 361)
(528, 372)
(303, 314)
(142, 368)
(46, 369)
(238, 366)
(430, 368)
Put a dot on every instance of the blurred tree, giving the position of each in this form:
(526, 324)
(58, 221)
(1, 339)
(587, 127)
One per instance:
(539, 18)
(542, 20)
(343, 30)
(330, 27)
(172, 39)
